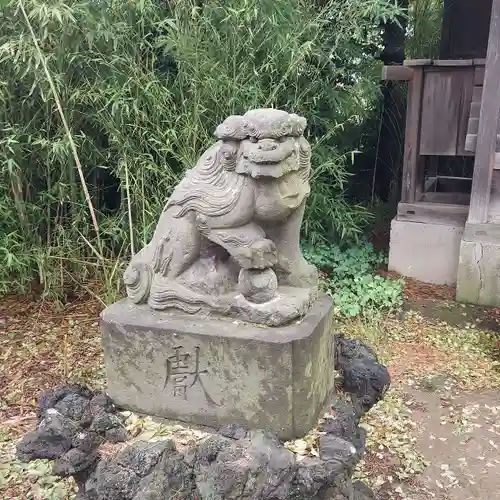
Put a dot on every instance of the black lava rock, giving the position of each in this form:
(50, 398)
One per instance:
(51, 439)
(349, 350)
(257, 467)
(102, 402)
(116, 435)
(362, 375)
(335, 448)
(141, 457)
(121, 477)
(115, 482)
(367, 382)
(171, 478)
(235, 464)
(104, 421)
(234, 431)
(75, 407)
(49, 398)
(343, 422)
(208, 449)
(362, 492)
(74, 462)
(87, 441)
(73, 423)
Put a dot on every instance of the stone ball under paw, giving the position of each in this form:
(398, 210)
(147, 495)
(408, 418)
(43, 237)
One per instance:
(258, 285)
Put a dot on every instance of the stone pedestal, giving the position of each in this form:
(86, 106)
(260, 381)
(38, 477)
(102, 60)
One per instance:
(215, 371)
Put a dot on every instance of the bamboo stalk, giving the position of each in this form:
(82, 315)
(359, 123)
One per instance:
(65, 123)
(129, 209)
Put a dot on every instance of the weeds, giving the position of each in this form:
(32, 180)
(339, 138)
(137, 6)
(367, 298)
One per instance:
(351, 280)
(424, 29)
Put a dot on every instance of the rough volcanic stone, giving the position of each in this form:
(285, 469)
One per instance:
(51, 439)
(138, 472)
(256, 468)
(363, 492)
(234, 431)
(341, 421)
(314, 474)
(115, 482)
(49, 398)
(74, 461)
(216, 371)
(208, 449)
(102, 402)
(171, 478)
(350, 350)
(65, 435)
(335, 448)
(367, 382)
(142, 456)
(47, 446)
(75, 407)
(363, 377)
(87, 441)
(103, 421)
(117, 435)
(236, 463)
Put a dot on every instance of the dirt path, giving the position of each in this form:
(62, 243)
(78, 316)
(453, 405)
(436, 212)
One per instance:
(437, 436)
(459, 437)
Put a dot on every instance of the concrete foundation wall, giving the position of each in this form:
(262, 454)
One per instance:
(479, 273)
(424, 251)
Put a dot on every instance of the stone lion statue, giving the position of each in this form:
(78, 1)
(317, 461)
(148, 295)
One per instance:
(227, 241)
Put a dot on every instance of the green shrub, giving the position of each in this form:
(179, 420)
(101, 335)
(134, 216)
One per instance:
(425, 18)
(142, 85)
(349, 278)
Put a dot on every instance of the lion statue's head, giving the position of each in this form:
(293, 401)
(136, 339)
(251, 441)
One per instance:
(264, 143)
(261, 144)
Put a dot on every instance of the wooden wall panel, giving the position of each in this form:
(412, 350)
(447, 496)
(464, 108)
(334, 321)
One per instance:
(442, 108)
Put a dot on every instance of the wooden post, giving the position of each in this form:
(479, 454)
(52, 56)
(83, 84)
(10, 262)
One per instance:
(397, 73)
(488, 122)
(412, 129)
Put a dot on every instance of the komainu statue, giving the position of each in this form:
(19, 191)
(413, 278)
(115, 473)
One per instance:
(227, 241)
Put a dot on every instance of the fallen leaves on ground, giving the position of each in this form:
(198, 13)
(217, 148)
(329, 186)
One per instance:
(416, 290)
(42, 346)
(426, 353)
(391, 441)
(33, 481)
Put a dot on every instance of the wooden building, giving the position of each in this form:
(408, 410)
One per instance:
(447, 228)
